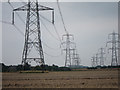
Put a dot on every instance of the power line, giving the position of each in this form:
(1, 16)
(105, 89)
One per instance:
(45, 18)
(49, 46)
(57, 32)
(19, 30)
(41, 41)
(33, 27)
(61, 16)
(54, 27)
(16, 13)
(14, 26)
(5, 22)
(24, 23)
(49, 31)
(68, 49)
(51, 55)
(23, 33)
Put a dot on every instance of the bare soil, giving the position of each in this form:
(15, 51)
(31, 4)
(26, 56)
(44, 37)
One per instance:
(107, 78)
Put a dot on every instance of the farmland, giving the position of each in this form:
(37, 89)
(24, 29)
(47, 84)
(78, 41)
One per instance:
(101, 78)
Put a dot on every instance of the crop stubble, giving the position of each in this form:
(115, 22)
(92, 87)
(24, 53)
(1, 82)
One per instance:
(107, 78)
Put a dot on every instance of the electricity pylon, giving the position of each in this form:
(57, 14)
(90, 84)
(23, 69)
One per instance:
(114, 41)
(101, 56)
(68, 48)
(93, 60)
(33, 50)
(76, 58)
(96, 59)
(73, 55)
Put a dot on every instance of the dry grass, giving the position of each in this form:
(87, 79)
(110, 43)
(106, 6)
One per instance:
(70, 79)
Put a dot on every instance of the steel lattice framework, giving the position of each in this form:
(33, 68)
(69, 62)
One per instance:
(114, 42)
(76, 60)
(33, 50)
(101, 56)
(97, 61)
(68, 48)
(75, 57)
(93, 60)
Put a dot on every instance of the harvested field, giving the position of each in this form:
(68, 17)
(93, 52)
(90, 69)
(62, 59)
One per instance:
(107, 78)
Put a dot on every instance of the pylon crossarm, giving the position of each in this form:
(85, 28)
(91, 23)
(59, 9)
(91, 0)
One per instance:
(22, 8)
(71, 36)
(108, 42)
(41, 7)
(66, 35)
(26, 8)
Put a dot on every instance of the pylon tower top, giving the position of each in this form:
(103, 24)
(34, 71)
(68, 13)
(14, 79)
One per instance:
(33, 50)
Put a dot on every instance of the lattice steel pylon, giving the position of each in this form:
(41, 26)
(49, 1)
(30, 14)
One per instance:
(114, 41)
(97, 60)
(76, 58)
(93, 60)
(101, 56)
(68, 49)
(33, 50)
(73, 56)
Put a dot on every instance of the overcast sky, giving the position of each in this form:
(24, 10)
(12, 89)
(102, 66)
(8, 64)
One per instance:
(90, 23)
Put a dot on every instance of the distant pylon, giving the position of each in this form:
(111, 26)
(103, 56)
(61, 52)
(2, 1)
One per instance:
(68, 48)
(33, 50)
(73, 54)
(101, 56)
(96, 59)
(114, 41)
(93, 60)
(75, 58)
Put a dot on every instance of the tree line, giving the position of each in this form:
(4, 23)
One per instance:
(15, 68)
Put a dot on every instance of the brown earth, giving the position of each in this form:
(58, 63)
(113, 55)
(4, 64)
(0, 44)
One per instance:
(107, 78)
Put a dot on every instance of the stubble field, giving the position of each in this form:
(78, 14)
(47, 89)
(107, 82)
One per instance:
(107, 78)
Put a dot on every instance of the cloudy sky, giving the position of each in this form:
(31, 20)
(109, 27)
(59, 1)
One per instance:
(89, 22)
